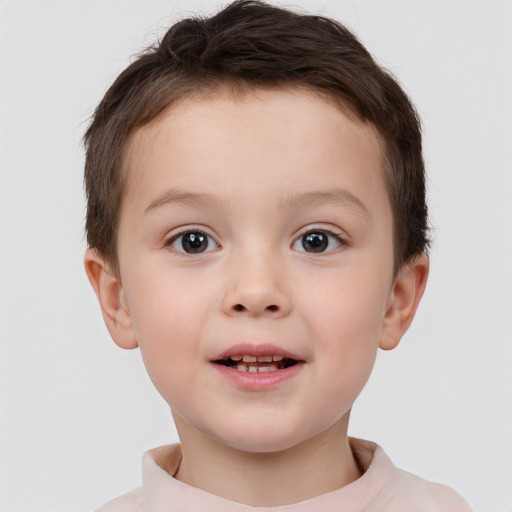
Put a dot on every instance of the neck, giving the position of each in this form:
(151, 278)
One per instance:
(316, 466)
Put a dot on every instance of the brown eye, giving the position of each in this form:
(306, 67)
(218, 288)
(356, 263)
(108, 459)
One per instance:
(317, 241)
(193, 242)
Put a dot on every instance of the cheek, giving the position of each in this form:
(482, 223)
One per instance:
(168, 316)
(347, 307)
(346, 325)
(164, 304)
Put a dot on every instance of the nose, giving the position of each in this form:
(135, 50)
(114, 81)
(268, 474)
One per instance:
(255, 289)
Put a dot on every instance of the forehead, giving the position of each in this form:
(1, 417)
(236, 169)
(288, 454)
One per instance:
(262, 140)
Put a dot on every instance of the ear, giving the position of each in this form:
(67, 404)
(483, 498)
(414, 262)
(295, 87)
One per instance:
(109, 290)
(403, 301)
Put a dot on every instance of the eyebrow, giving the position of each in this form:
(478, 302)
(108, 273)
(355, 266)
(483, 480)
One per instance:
(297, 201)
(335, 196)
(180, 197)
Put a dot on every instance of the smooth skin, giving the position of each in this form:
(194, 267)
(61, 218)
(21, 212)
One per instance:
(244, 182)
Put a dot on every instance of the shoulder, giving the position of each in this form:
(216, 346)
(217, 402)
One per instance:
(410, 493)
(157, 466)
(130, 502)
(396, 490)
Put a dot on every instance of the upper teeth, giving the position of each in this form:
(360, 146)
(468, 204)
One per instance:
(253, 359)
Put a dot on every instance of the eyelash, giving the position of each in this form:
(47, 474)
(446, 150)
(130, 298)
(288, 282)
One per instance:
(176, 236)
(339, 241)
(338, 237)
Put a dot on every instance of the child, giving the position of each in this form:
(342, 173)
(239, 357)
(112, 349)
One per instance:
(257, 226)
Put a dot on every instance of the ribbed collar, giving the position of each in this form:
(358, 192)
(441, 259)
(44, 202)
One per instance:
(164, 493)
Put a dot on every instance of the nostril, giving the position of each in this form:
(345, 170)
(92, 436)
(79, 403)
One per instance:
(241, 307)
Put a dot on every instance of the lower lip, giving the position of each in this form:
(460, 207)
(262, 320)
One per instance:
(258, 381)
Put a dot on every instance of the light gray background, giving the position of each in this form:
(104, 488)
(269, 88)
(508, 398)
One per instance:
(76, 412)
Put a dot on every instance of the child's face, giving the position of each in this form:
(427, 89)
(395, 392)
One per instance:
(257, 227)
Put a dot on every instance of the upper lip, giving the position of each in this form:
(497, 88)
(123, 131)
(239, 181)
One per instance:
(263, 349)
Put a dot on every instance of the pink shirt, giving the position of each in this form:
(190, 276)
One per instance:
(382, 488)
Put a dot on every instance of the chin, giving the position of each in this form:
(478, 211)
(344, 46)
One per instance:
(261, 445)
(262, 438)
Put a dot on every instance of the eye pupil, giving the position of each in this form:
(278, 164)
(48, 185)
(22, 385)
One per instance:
(194, 242)
(315, 242)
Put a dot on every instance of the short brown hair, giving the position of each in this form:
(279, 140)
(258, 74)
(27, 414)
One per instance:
(251, 44)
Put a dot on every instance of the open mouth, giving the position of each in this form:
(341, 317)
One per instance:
(253, 364)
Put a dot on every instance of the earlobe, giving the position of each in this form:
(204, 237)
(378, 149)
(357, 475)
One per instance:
(403, 301)
(110, 293)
